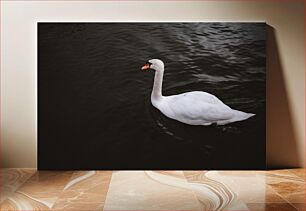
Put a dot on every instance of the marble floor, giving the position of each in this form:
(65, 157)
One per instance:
(28, 189)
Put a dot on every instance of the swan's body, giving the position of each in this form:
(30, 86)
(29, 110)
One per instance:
(193, 108)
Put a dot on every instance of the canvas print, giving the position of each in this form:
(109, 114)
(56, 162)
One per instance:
(168, 96)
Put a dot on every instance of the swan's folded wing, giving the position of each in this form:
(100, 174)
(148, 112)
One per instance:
(201, 97)
(198, 107)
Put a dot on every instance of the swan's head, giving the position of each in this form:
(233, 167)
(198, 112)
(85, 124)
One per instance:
(155, 64)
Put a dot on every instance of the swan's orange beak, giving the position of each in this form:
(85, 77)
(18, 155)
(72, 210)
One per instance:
(145, 67)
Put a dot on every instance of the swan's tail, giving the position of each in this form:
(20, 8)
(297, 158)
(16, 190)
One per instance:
(239, 116)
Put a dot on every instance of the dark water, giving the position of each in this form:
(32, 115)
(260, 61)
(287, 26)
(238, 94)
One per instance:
(94, 102)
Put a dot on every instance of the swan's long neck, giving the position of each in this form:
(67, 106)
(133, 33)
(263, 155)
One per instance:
(157, 86)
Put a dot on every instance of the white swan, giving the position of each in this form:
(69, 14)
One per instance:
(193, 108)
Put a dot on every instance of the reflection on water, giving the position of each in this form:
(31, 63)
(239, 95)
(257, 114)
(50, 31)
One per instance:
(91, 88)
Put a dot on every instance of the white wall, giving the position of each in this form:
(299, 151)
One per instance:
(286, 62)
